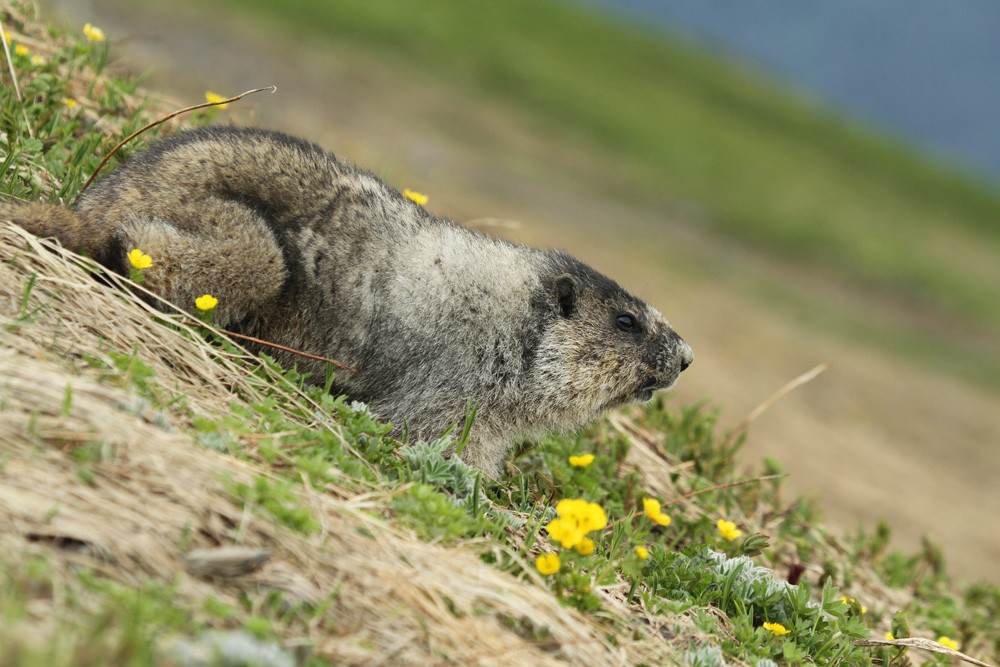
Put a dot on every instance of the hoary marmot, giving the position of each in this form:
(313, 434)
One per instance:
(304, 250)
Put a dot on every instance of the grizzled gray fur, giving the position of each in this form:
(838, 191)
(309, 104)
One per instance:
(309, 252)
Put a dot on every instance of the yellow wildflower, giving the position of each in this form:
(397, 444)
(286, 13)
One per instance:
(415, 196)
(577, 517)
(70, 103)
(206, 302)
(215, 97)
(849, 601)
(776, 628)
(944, 640)
(565, 532)
(641, 553)
(589, 516)
(21, 50)
(585, 547)
(889, 637)
(581, 461)
(93, 33)
(37, 60)
(651, 506)
(139, 259)
(548, 563)
(728, 529)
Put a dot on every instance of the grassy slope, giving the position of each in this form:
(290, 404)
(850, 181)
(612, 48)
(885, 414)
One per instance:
(75, 591)
(474, 157)
(768, 170)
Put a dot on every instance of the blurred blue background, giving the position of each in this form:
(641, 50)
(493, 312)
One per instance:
(925, 70)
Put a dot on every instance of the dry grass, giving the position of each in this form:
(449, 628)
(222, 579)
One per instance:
(155, 494)
(154, 505)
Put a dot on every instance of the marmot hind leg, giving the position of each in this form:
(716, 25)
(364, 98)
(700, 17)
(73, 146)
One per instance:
(218, 247)
(229, 253)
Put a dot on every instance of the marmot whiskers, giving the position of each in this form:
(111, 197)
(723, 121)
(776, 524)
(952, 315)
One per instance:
(312, 253)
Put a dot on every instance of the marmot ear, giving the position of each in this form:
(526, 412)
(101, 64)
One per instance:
(565, 294)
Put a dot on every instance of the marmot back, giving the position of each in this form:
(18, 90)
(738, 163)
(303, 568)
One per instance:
(309, 252)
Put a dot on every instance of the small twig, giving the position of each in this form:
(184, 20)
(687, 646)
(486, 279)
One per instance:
(13, 77)
(774, 398)
(724, 486)
(628, 427)
(925, 644)
(165, 119)
(274, 345)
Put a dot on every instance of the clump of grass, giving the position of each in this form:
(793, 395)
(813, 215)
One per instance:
(61, 119)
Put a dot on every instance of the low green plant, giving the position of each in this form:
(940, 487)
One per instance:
(278, 498)
(99, 621)
(48, 137)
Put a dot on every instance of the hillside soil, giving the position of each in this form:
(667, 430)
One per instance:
(873, 436)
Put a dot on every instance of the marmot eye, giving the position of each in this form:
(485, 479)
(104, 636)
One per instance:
(626, 322)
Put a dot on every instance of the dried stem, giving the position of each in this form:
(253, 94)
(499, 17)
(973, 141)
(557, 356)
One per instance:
(925, 644)
(165, 119)
(724, 486)
(275, 346)
(774, 398)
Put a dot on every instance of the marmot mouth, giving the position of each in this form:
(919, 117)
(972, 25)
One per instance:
(643, 394)
(652, 385)
(646, 391)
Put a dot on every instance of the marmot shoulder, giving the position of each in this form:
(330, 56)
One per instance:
(307, 251)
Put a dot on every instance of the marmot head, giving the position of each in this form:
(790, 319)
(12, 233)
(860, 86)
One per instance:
(599, 346)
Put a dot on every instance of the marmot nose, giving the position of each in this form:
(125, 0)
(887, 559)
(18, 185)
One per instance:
(686, 354)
